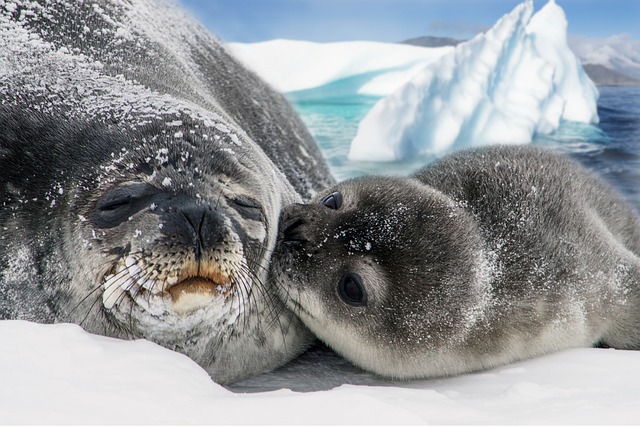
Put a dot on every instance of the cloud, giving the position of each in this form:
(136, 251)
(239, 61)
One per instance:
(619, 52)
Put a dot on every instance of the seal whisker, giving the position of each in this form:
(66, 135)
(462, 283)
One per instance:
(273, 307)
(86, 316)
(282, 308)
(250, 276)
(248, 282)
(244, 290)
(253, 280)
(87, 296)
(134, 296)
(106, 293)
(286, 291)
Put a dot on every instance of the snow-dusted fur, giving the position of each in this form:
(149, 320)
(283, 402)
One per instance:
(486, 257)
(135, 154)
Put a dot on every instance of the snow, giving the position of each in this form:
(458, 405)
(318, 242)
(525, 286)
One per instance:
(59, 374)
(504, 86)
(292, 65)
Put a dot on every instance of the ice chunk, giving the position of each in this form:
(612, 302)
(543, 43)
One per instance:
(293, 65)
(517, 79)
(549, 30)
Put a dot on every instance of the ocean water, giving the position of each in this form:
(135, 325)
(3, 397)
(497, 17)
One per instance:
(611, 148)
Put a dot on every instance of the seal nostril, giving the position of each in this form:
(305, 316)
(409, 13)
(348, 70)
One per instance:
(292, 231)
(292, 225)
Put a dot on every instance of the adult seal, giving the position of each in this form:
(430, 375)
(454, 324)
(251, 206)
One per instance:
(142, 172)
(486, 257)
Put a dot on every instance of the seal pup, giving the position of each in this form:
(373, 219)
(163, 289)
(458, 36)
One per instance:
(486, 257)
(142, 173)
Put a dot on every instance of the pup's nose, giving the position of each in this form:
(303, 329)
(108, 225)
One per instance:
(292, 230)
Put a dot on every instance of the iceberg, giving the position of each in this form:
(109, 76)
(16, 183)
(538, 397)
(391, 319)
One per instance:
(504, 86)
(368, 68)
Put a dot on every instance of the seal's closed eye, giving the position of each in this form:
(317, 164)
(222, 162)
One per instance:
(248, 208)
(333, 200)
(120, 203)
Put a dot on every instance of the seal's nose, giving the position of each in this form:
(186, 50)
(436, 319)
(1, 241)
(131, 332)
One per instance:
(292, 223)
(195, 224)
(292, 231)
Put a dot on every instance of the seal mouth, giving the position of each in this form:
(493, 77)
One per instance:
(196, 292)
(193, 285)
(184, 289)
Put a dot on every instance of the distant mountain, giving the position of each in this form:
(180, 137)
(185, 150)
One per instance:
(603, 76)
(429, 41)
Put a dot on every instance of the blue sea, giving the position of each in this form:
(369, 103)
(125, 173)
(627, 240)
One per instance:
(611, 148)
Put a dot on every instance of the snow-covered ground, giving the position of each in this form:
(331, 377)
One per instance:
(59, 374)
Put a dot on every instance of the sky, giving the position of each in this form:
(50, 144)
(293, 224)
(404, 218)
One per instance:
(394, 20)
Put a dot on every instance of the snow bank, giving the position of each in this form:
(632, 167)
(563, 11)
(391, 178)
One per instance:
(59, 374)
(518, 79)
(290, 65)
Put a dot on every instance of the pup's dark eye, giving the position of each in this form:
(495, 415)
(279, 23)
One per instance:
(333, 200)
(120, 203)
(248, 208)
(351, 290)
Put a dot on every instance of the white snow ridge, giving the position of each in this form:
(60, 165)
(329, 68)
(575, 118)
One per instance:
(517, 79)
(60, 374)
